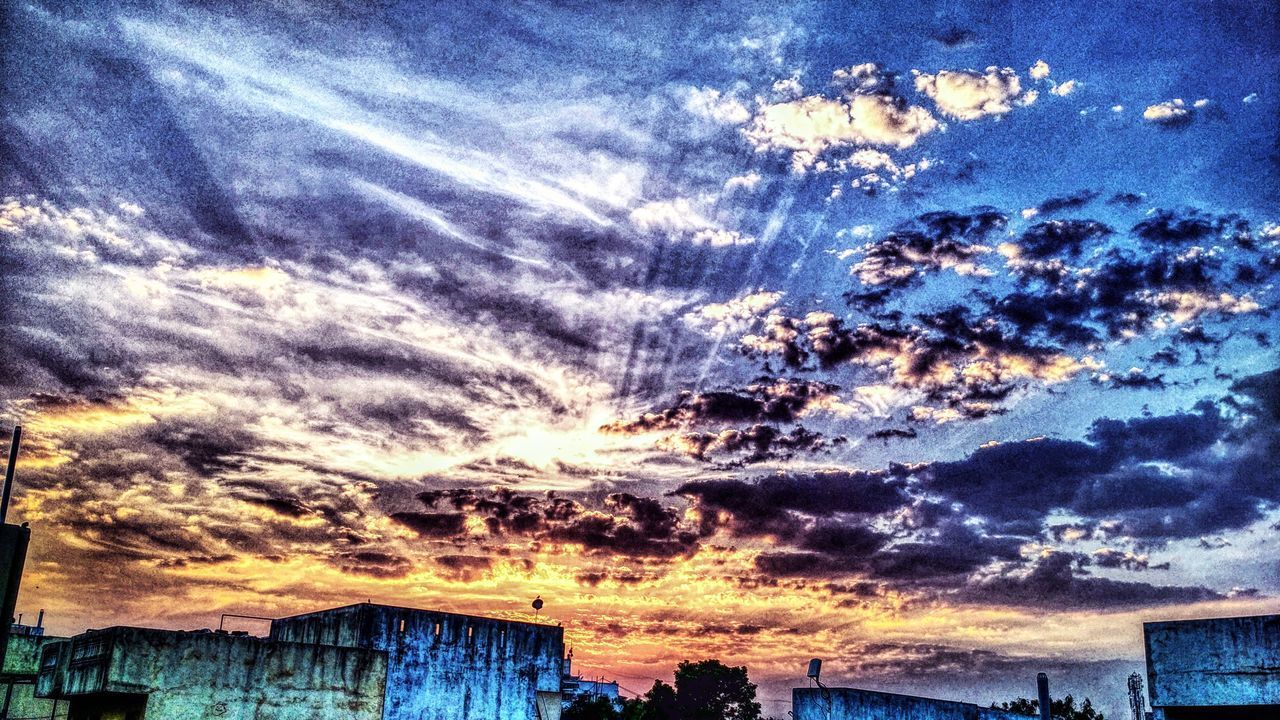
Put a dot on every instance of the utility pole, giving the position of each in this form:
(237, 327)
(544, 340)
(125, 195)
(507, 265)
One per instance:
(13, 549)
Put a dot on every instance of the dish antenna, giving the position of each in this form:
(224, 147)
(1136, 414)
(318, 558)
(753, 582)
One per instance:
(537, 606)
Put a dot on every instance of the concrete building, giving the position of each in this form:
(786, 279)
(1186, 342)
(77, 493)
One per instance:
(18, 679)
(361, 662)
(855, 704)
(575, 686)
(1223, 668)
(443, 666)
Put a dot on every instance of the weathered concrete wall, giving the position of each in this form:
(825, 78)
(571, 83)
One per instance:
(443, 666)
(201, 674)
(23, 657)
(17, 681)
(1223, 661)
(854, 704)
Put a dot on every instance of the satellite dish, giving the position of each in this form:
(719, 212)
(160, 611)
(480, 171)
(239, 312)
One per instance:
(537, 605)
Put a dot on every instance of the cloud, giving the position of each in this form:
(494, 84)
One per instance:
(711, 104)
(734, 313)
(935, 241)
(1074, 201)
(1055, 581)
(969, 366)
(768, 505)
(1112, 558)
(777, 400)
(756, 444)
(681, 218)
(1154, 478)
(1169, 113)
(623, 524)
(1064, 89)
(1039, 71)
(971, 94)
(865, 114)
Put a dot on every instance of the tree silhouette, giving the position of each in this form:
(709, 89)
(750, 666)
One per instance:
(1063, 709)
(704, 690)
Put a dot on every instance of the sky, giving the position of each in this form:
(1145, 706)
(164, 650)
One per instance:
(935, 340)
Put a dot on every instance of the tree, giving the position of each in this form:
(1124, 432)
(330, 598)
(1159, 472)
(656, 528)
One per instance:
(711, 690)
(659, 703)
(705, 690)
(1063, 709)
(588, 707)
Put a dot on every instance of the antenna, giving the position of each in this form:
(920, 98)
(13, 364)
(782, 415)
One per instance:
(1137, 702)
(8, 473)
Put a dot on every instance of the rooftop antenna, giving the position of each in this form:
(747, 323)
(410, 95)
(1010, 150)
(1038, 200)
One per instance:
(1137, 702)
(537, 606)
(8, 473)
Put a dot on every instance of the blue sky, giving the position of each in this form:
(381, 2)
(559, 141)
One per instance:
(926, 333)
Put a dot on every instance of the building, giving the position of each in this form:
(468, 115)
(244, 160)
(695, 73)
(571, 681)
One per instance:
(18, 678)
(127, 673)
(360, 662)
(1222, 668)
(443, 666)
(576, 686)
(854, 704)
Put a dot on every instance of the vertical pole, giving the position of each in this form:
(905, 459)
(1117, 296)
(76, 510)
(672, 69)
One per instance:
(1042, 689)
(8, 473)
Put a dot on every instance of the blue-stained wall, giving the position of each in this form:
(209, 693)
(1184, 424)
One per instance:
(1223, 661)
(854, 704)
(443, 666)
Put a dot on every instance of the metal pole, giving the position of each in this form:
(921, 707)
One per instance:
(8, 473)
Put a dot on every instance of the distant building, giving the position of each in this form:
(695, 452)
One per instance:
(1223, 668)
(360, 662)
(17, 628)
(576, 686)
(854, 704)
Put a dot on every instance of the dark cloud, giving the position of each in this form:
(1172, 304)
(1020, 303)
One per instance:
(1189, 226)
(893, 433)
(623, 524)
(372, 563)
(1137, 380)
(464, 567)
(781, 400)
(931, 242)
(1154, 478)
(1060, 238)
(756, 444)
(1127, 198)
(955, 36)
(1057, 581)
(432, 525)
(767, 505)
(1074, 201)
